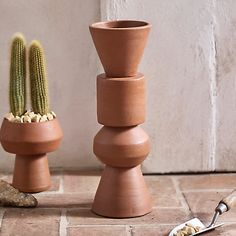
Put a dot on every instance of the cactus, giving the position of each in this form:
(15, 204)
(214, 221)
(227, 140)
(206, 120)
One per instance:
(38, 80)
(17, 83)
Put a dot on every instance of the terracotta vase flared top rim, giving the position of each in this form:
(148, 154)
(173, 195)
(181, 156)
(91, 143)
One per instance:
(120, 25)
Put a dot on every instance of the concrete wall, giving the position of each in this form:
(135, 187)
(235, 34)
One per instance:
(189, 65)
(62, 27)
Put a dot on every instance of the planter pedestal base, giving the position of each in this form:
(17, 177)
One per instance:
(122, 193)
(31, 173)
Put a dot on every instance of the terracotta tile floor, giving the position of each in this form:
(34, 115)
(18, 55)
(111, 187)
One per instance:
(65, 208)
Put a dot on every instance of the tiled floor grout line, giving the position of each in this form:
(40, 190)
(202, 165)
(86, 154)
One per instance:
(180, 195)
(206, 190)
(100, 225)
(2, 212)
(61, 193)
(61, 185)
(88, 208)
(131, 228)
(47, 193)
(183, 191)
(92, 193)
(128, 230)
(119, 225)
(171, 208)
(66, 208)
(63, 223)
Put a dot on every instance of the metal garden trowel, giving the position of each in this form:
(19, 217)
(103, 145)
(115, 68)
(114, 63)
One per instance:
(224, 205)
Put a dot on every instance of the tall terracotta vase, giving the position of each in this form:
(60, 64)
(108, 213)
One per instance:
(30, 142)
(121, 144)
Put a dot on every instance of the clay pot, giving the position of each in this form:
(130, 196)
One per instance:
(121, 144)
(121, 147)
(122, 193)
(121, 101)
(120, 45)
(30, 142)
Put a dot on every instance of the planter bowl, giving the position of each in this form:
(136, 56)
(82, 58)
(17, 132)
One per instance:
(30, 138)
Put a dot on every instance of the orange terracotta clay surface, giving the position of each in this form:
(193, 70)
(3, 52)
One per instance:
(121, 147)
(120, 45)
(31, 173)
(121, 144)
(30, 138)
(122, 193)
(30, 142)
(121, 101)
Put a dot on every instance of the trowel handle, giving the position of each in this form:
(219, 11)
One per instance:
(230, 201)
(224, 205)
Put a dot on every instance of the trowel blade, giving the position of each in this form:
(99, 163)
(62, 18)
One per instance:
(208, 229)
(194, 222)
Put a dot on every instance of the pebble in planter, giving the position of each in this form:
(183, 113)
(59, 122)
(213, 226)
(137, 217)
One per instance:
(29, 134)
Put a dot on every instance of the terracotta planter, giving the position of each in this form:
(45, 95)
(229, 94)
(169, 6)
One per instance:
(121, 144)
(30, 142)
(120, 45)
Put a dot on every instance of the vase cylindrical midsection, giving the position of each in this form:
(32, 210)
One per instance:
(121, 101)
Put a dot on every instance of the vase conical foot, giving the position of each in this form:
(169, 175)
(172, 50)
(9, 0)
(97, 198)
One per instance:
(122, 193)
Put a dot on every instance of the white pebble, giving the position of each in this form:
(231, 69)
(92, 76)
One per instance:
(22, 119)
(50, 116)
(26, 119)
(31, 114)
(54, 114)
(36, 118)
(17, 119)
(27, 112)
(43, 118)
(9, 116)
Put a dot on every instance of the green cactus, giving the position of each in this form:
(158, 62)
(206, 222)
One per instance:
(38, 80)
(17, 83)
